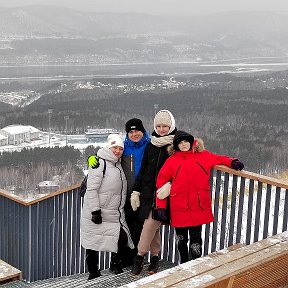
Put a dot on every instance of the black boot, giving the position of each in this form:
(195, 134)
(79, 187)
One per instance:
(92, 264)
(115, 264)
(137, 265)
(195, 251)
(94, 275)
(183, 249)
(154, 265)
(127, 259)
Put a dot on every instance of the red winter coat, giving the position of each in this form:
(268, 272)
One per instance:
(189, 172)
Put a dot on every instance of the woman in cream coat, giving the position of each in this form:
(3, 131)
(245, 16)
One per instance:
(103, 225)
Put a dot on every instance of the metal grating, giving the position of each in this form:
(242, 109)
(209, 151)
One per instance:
(14, 284)
(107, 280)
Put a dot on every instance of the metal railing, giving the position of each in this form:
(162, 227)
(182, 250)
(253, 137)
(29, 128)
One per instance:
(41, 237)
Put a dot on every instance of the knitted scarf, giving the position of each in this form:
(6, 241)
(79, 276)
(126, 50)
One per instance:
(162, 141)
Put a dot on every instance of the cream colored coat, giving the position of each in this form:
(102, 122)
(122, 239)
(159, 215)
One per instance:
(107, 193)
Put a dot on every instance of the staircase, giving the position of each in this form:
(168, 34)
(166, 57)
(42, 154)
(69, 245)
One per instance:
(107, 280)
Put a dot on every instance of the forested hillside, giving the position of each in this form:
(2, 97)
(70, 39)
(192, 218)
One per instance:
(22, 171)
(243, 117)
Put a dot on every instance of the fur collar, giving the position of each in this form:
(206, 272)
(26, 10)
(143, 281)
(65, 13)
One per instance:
(198, 145)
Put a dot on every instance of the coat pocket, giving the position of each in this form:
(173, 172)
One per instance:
(178, 201)
(204, 199)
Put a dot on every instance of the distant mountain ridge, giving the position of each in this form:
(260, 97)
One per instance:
(37, 21)
(33, 32)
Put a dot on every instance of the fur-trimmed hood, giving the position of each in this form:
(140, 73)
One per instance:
(198, 146)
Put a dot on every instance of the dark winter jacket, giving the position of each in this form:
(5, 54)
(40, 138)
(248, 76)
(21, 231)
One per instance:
(153, 160)
(189, 172)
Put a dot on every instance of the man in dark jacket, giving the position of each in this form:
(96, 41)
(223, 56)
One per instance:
(135, 143)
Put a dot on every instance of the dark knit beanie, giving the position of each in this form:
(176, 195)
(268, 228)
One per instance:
(134, 124)
(181, 135)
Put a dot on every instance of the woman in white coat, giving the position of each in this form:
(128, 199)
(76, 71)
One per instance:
(103, 225)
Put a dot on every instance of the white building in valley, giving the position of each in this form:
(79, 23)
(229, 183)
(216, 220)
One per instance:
(17, 134)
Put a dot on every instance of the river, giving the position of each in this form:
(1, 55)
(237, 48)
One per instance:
(86, 71)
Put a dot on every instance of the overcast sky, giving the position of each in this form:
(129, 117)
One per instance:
(178, 7)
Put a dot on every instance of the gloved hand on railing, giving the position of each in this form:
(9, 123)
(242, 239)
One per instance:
(93, 161)
(237, 165)
(135, 200)
(96, 217)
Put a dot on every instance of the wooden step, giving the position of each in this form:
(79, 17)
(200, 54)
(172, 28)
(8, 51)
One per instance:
(8, 273)
(261, 264)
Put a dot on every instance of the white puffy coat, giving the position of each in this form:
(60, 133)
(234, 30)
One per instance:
(107, 193)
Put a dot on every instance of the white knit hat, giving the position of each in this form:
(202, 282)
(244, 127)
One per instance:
(114, 140)
(164, 117)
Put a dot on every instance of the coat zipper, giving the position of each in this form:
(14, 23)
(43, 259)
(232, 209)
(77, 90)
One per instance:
(121, 224)
(121, 194)
(131, 163)
(202, 167)
(177, 172)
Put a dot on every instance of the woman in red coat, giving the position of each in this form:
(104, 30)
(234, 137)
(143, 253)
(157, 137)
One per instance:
(188, 169)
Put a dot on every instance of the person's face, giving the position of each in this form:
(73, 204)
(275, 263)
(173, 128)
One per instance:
(117, 151)
(184, 145)
(135, 135)
(162, 129)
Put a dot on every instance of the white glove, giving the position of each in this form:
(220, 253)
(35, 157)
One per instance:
(164, 191)
(135, 200)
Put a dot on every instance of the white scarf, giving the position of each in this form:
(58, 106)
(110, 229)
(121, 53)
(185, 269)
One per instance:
(162, 141)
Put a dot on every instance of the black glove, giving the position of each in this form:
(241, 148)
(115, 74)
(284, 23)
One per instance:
(162, 214)
(96, 217)
(237, 165)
